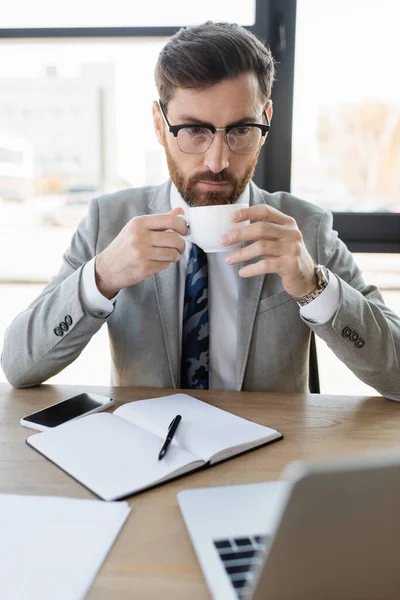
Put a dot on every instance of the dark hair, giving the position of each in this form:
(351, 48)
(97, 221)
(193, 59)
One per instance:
(201, 56)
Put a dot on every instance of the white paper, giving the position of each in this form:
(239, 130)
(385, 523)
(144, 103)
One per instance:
(51, 548)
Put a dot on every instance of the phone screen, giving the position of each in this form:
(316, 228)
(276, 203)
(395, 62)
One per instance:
(64, 411)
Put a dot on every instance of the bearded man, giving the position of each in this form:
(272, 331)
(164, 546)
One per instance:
(178, 317)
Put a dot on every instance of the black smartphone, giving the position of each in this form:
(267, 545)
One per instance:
(67, 410)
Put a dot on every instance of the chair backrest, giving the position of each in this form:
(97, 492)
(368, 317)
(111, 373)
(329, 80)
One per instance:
(313, 374)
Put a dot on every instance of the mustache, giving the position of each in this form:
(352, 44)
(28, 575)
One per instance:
(222, 177)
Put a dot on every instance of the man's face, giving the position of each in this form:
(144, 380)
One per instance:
(219, 176)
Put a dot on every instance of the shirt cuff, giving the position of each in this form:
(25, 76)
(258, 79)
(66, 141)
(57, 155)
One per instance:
(323, 307)
(93, 301)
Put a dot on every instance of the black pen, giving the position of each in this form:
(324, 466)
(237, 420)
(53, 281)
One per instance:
(170, 434)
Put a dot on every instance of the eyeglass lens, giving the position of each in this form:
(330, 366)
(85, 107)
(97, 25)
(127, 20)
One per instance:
(197, 140)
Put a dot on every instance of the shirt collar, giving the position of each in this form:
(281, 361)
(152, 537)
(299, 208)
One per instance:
(178, 202)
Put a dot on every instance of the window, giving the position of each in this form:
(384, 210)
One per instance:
(346, 122)
(46, 14)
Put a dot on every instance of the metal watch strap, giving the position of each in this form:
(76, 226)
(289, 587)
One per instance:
(322, 275)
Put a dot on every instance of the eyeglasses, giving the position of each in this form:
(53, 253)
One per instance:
(242, 138)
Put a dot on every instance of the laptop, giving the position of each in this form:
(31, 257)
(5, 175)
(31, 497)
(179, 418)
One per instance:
(328, 530)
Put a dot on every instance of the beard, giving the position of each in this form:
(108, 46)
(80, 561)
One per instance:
(194, 197)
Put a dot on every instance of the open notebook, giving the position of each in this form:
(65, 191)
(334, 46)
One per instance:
(116, 455)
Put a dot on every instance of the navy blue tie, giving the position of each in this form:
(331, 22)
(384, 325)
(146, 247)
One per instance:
(195, 333)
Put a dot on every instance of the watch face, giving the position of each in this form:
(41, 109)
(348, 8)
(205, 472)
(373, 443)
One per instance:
(322, 276)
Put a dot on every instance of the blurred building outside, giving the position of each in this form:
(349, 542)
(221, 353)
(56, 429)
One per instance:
(70, 124)
(352, 161)
(16, 168)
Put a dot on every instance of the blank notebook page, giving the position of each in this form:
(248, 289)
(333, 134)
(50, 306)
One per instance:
(110, 456)
(204, 429)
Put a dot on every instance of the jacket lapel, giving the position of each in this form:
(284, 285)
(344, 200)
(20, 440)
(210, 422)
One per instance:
(166, 285)
(249, 297)
(167, 290)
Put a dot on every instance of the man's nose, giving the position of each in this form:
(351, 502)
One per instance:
(217, 156)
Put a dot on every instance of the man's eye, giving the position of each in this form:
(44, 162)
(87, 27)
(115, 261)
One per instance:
(241, 131)
(197, 131)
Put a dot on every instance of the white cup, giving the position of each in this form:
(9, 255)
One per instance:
(206, 224)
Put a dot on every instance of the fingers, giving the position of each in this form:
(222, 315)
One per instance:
(167, 239)
(177, 211)
(265, 248)
(266, 265)
(261, 212)
(163, 222)
(155, 237)
(146, 245)
(254, 231)
(277, 245)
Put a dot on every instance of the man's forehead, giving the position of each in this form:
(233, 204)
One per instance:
(231, 100)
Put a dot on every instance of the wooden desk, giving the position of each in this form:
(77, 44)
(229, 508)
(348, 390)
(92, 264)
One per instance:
(153, 557)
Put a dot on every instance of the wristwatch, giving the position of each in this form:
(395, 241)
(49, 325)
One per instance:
(322, 274)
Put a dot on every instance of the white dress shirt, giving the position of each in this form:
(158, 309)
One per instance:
(223, 288)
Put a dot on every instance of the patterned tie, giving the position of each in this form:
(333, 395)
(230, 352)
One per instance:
(195, 336)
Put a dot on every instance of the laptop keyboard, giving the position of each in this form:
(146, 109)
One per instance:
(240, 557)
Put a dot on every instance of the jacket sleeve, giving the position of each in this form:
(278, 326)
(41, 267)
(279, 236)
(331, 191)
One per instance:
(54, 329)
(363, 333)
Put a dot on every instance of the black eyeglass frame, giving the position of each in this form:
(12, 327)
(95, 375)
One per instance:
(175, 129)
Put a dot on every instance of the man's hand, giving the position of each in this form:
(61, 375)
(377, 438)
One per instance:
(146, 245)
(279, 245)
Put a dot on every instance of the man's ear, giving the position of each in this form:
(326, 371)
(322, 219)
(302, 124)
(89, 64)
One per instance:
(269, 110)
(158, 122)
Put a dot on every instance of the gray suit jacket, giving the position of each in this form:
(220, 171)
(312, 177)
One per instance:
(272, 338)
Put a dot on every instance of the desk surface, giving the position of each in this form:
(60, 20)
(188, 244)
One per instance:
(153, 556)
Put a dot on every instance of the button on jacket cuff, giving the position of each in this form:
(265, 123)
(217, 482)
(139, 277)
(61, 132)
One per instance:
(324, 306)
(93, 301)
